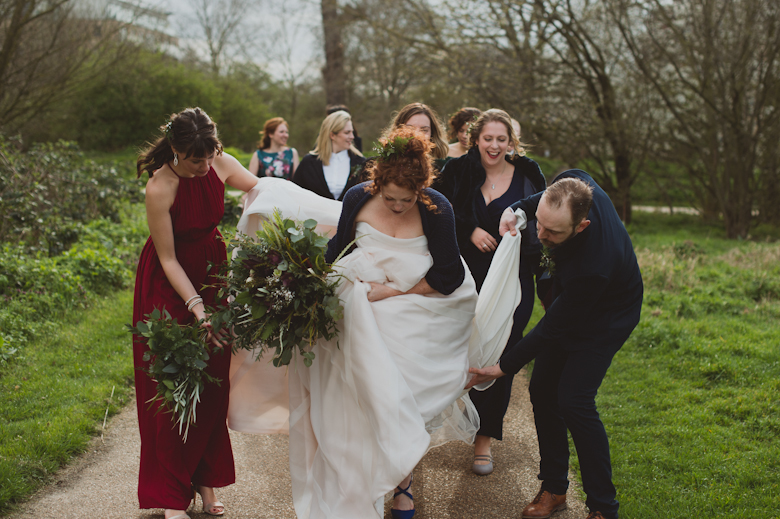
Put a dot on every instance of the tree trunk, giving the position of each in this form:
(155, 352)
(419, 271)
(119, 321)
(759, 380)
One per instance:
(333, 72)
(622, 201)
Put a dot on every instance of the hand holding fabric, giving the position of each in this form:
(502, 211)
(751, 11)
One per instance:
(483, 375)
(512, 221)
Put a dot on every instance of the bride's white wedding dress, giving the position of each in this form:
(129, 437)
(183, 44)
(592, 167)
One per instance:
(375, 400)
(362, 416)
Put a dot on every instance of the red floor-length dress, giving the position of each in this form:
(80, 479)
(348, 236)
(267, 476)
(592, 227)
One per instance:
(168, 466)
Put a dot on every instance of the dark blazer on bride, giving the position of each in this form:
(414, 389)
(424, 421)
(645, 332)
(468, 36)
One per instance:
(310, 175)
(447, 272)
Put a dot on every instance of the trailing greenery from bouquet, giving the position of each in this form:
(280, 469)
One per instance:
(178, 357)
(281, 290)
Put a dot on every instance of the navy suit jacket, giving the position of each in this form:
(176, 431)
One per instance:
(597, 286)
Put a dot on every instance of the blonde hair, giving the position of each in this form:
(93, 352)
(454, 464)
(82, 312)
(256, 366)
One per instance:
(494, 115)
(333, 123)
(440, 147)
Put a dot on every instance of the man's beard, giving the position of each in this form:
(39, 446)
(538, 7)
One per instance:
(551, 245)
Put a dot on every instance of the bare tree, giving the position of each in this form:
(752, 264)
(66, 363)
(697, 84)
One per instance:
(584, 42)
(486, 54)
(333, 72)
(47, 49)
(558, 64)
(383, 70)
(714, 63)
(224, 28)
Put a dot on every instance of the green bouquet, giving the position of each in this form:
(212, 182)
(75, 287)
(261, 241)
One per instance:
(178, 357)
(281, 292)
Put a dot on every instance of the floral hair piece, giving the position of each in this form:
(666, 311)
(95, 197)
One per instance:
(168, 129)
(387, 149)
(471, 124)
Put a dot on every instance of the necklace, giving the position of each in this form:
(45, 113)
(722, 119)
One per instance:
(493, 184)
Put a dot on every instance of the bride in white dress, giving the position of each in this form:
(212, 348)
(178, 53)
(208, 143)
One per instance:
(391, 387)
(364, 414)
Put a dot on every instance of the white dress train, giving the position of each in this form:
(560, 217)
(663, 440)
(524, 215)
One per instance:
(391, 387)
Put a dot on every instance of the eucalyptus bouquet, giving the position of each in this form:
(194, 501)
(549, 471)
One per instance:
(178, 356)
(281, 294)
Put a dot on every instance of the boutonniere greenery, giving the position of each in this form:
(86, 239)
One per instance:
(548, 262)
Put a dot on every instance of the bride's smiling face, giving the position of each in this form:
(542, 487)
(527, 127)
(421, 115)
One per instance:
(397, 199)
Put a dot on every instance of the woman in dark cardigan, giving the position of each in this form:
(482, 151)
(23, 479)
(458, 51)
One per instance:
(480, 185)
(391, 388)
(334, 165)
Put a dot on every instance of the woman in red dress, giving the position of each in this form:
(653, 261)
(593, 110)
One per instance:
(184, 203)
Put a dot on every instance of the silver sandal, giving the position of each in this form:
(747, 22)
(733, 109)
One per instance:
(482, 469)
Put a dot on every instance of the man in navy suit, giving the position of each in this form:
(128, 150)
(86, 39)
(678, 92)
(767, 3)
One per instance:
(596, 302)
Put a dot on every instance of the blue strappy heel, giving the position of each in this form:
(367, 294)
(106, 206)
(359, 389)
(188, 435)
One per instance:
(403, 514)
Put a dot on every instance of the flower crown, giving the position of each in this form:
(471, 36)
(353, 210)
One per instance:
(387, 149)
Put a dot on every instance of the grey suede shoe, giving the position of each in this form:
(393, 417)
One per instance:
(482, 469)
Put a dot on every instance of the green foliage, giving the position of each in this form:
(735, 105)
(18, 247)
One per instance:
(233, 210)
(178, 357)
(240, 155)
(121, 110)
(50, 191)
(278, 290)
(549, 166)
(386, 149)
(36, 289)
(54, 398)
(6, 352)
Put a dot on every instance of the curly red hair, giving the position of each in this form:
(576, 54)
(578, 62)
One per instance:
(411, 168)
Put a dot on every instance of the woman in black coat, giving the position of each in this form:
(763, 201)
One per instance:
(480, 185)
(334, 165)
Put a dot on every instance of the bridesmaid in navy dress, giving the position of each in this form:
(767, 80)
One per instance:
(480, 185)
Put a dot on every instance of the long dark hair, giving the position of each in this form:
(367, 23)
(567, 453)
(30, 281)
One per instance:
(465, 115)
(441, 148)
(190, 131)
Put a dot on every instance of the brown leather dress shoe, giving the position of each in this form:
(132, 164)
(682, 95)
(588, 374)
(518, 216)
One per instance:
(544, 505)
(595, 515)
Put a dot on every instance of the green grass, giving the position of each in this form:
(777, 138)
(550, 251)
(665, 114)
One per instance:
(53, 399)
(240, 155)
(692, 401)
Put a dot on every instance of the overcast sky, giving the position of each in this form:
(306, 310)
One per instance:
(286, 33)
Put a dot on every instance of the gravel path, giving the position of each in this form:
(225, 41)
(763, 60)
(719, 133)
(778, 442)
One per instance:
(102, 483)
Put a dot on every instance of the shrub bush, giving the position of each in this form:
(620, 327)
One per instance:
(36, 288)
(48, 192)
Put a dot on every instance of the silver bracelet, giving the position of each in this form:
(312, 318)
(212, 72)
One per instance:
(194, 304)
(187, 302)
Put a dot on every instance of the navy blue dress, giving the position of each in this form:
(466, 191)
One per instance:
(493, 402)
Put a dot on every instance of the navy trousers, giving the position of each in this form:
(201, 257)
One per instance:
(563, 391)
